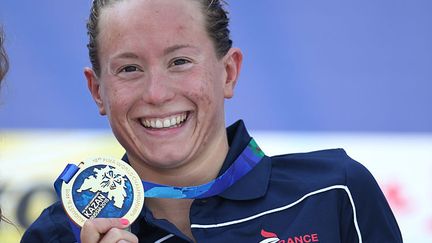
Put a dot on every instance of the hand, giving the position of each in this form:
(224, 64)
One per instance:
(107, 230)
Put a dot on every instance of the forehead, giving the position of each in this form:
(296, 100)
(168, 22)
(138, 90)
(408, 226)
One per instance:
(150, 16)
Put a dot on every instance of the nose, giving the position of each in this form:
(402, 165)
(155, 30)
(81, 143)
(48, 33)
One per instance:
(158, 89)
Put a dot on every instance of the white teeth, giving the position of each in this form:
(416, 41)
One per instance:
(168, 122)
(158, 124)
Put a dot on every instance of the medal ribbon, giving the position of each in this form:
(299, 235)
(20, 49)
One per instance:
(247, 160)
(244, 163)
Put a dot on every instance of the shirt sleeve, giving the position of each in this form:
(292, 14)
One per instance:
(373, 220)
(51, 226)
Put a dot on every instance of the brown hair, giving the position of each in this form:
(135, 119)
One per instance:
(4, 64)
(217, 22)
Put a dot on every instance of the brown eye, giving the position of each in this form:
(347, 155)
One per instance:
(181, 61)
(128, 69)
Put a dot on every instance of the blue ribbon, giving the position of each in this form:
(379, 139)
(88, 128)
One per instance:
(247, 160)
(244, 163)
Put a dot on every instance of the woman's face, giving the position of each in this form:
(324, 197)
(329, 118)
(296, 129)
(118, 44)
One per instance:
(161, 83)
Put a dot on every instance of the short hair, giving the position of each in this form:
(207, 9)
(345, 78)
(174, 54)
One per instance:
(217, 26)
(4, 64)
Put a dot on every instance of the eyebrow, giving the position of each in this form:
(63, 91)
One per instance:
(127, 55)
(131, 55)
(177, 47)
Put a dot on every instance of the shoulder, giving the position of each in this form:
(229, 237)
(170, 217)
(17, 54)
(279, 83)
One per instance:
(319, 168)
(325, 170)
(314, 172)
(51, 226)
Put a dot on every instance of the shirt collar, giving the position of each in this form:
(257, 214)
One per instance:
(257, 178)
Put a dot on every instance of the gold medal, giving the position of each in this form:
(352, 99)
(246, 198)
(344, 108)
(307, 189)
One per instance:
(103, 188)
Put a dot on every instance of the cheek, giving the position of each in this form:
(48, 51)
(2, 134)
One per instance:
(203, 99)
(213, 81)
(208, 95)
(116, 101)
(202, 91)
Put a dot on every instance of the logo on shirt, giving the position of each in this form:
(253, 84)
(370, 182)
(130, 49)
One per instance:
(271, 237)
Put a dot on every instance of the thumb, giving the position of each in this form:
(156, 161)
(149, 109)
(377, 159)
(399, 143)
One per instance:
(93, 229)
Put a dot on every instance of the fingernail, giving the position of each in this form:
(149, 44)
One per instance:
(124, 221)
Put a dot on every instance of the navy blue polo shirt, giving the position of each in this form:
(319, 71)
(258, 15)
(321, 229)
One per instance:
(322, 196)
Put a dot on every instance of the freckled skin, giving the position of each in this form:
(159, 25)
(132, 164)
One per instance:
(194, 153)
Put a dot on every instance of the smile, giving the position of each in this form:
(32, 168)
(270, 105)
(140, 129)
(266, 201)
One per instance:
(167, 122)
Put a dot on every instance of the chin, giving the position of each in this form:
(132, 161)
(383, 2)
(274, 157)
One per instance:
(166, 160)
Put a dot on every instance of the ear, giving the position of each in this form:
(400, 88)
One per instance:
(94, 88)
(232, 60)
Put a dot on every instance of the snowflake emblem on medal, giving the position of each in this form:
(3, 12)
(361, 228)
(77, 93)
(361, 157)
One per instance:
(103, 188)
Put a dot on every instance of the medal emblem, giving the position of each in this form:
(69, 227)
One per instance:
(103, 188)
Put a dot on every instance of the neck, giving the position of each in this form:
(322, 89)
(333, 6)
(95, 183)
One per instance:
(200, 170)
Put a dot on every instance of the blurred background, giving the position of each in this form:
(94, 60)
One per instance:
(316, 75)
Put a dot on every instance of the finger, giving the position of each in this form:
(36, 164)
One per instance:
(93, 229)
(116, 235)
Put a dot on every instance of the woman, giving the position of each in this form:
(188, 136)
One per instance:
(161, 72)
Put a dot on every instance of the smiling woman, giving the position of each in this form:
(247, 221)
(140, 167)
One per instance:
(161, 72)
